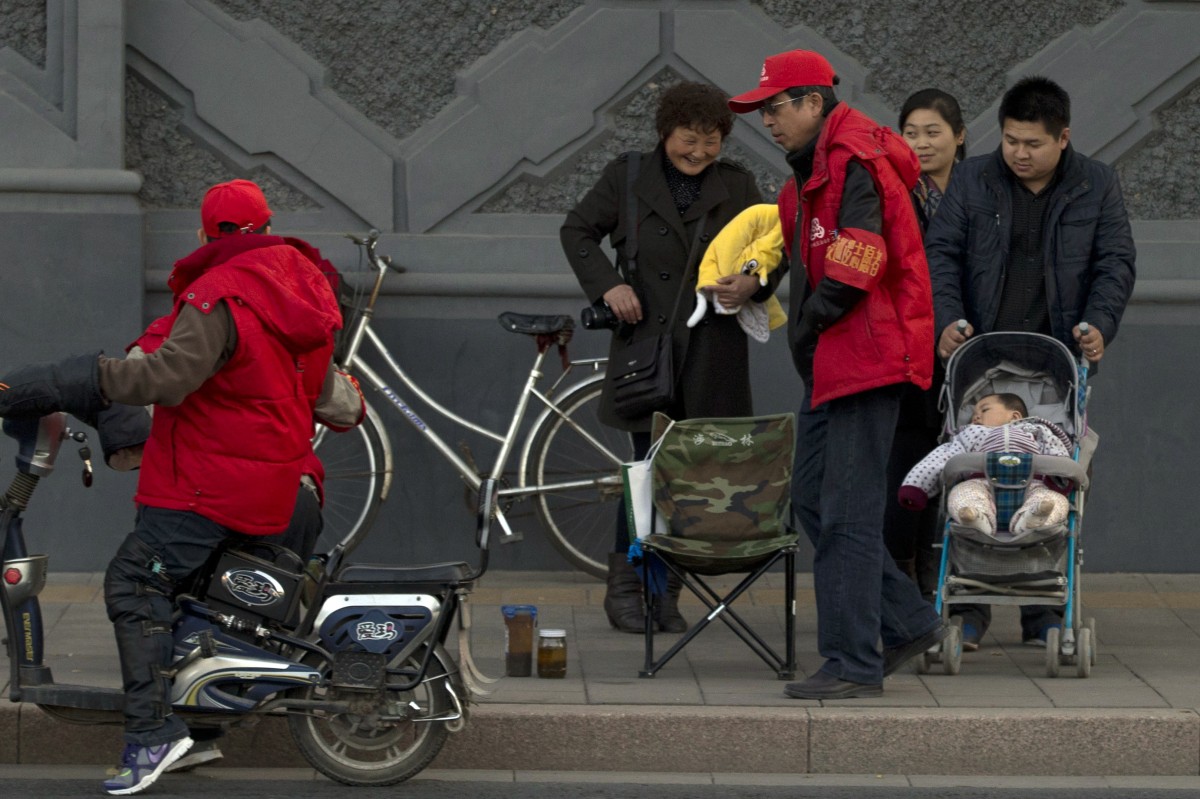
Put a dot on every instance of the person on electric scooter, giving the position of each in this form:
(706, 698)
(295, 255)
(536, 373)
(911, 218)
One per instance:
(123, 437)
(234, 388)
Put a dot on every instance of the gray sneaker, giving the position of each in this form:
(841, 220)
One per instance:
(142, 765)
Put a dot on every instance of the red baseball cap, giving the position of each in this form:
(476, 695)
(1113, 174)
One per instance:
(240, 202)
(781, 72)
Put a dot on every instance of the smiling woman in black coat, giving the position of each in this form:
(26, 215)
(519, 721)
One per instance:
(681, 189)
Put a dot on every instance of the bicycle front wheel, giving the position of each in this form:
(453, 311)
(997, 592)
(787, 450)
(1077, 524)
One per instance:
(358, 476)
(579, 480)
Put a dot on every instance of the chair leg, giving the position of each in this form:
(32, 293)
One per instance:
(720, 608)
(649, 607)
(788, 672)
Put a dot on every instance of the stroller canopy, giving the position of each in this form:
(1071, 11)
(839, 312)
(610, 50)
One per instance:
(1039, 369)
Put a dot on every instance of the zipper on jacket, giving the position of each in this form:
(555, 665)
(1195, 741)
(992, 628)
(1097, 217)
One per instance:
(999, 190)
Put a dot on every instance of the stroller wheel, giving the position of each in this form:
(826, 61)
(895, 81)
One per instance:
(1085, 653)
(924, 662)
(1090, 624)
(952, 651)
(1053, 636)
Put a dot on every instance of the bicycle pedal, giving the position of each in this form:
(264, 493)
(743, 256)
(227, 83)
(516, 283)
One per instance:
(510, 537)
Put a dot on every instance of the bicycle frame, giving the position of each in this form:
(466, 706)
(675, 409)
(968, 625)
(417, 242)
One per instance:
(362, 333)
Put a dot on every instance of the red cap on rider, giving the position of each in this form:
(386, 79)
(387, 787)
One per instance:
(239, 202)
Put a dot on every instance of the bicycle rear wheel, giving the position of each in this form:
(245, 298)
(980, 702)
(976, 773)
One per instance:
(580, 519)
(358, 476)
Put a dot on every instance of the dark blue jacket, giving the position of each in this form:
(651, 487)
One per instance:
(1088, 246)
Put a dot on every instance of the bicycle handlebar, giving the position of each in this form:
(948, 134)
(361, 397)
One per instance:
(369, 243)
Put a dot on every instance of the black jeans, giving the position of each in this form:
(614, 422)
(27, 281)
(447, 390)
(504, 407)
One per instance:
(165, 547)
(838, 488)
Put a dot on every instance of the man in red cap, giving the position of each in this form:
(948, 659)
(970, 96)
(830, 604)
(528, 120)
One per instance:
(860, 327)
(235, 384)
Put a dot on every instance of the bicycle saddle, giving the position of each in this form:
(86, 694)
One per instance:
(535, 325)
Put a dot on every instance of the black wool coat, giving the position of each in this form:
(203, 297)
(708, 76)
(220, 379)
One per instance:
(712, 372)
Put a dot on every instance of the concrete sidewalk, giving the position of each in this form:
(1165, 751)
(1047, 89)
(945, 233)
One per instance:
(718, 708)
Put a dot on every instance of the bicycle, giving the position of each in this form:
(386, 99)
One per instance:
(569, 464)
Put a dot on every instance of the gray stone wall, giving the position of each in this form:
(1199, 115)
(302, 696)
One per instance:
(177, 168)
(966, 49)
(24, 28)
(1161, 178)
(395, 61)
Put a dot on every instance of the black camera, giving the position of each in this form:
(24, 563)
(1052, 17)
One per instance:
(598, 316)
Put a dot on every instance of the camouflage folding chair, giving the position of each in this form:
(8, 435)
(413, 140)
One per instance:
(724, 485)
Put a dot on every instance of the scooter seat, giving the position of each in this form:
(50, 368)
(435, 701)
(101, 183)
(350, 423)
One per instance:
(446, 573)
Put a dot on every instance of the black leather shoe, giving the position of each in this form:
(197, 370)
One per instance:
(826, 686)
(896, 656)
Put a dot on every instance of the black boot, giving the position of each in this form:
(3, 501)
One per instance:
(666, 610)
(623, 596)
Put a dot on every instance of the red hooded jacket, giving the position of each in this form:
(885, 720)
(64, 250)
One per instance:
(887, 337)
(157, 332)
(233, 450)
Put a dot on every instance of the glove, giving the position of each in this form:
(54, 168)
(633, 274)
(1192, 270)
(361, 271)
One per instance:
(912, 497)
(71, 385)
(804, 351)
(121, 428)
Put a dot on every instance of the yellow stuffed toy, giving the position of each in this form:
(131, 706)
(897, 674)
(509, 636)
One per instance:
(751, 244)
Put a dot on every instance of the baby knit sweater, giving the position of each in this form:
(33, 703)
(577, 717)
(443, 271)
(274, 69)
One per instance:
(1035, 435)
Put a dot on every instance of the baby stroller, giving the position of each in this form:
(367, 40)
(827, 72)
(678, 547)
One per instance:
(1041, 567)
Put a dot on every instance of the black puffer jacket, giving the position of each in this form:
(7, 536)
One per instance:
(1089, 250)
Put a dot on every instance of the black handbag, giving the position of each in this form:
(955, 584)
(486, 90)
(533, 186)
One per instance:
(643, 381)
(642, 375)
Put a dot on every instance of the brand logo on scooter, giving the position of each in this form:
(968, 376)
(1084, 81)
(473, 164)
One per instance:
(252, 587)
(375, 631)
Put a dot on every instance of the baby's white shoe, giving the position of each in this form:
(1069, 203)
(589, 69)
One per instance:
(969, 516)
(1035, 517)
(1040, 514)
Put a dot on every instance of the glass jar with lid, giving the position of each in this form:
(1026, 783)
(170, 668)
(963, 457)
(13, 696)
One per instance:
(552, 653)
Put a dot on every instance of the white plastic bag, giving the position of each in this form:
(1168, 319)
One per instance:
(638, 481)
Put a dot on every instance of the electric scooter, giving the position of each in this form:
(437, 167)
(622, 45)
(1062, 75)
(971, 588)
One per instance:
(353, 654)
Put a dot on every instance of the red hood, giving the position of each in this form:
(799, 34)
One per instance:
(279, 280)
(219, 251)
(866, 139)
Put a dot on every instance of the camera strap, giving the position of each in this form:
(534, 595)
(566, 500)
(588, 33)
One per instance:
(633, 160)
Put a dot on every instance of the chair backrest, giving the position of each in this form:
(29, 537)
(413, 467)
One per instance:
(725, 479)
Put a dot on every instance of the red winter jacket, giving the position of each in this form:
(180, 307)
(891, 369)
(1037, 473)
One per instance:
(157, 332)
(233, 450)
(887, 337)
